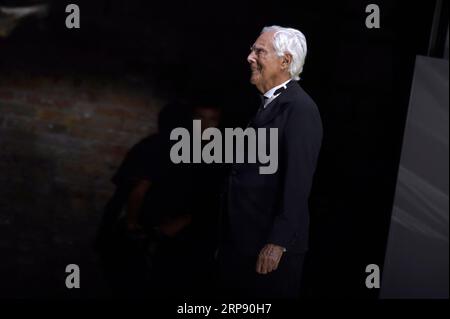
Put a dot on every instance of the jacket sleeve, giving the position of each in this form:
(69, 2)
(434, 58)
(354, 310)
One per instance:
(301, 141)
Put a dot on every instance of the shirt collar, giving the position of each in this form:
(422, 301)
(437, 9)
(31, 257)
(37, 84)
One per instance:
(270, 94)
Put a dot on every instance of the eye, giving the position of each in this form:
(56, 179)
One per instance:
(256, 50)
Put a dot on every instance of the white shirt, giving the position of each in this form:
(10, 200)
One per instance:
(270, 94)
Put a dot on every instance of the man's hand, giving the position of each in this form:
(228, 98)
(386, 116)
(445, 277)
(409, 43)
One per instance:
(134, 227)
(269, 258)
(173, 226)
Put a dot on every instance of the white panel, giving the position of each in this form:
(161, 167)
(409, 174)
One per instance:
(416, 264)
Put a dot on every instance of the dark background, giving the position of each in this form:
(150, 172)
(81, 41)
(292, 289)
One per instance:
(360, 79)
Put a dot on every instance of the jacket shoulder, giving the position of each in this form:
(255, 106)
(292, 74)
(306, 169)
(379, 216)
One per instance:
(299, 95)
(299, 102)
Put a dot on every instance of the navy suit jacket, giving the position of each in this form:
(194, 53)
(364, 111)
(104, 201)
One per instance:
(273, 208)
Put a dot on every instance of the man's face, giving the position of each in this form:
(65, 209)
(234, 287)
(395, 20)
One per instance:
(265, 65)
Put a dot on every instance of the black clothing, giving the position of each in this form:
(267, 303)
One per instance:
(273, 208)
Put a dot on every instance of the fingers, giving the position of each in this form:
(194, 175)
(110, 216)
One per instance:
(267, 265)
(259, 265)
(267, 261)
(271, 264)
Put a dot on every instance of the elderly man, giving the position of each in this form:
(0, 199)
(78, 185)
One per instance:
(266, 217)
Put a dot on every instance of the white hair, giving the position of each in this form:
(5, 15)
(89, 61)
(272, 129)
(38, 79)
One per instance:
(293, 42)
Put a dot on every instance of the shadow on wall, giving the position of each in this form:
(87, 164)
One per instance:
(60, 142)
(35, 217)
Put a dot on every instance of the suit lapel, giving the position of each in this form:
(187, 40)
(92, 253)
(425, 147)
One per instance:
(268, 114)
(273, 109)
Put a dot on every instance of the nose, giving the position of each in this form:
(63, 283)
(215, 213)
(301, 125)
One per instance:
(251, 57)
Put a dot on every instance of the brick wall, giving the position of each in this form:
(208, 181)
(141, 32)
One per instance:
(61, 139)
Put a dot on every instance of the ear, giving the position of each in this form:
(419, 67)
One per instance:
(286, 61)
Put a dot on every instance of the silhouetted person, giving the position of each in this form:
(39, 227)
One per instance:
(159, 230)
(184, 261)
(146, 181)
